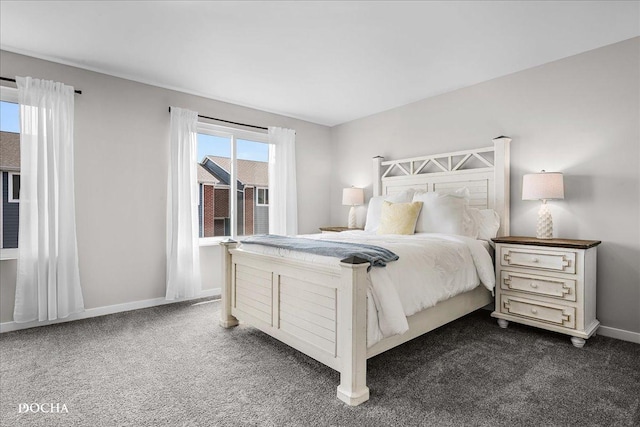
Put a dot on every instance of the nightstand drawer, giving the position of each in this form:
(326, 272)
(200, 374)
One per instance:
(542, 259)
(554, 287)
(537, 310)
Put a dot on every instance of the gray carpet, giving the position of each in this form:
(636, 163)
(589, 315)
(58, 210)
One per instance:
(172, 365)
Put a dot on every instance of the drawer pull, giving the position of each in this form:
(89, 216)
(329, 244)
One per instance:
(534, 311)
(533, 285)
(534, 260)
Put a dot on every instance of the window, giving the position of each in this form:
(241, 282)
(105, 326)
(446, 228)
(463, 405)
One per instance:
(263, 197)
(232, 162)
(14, 188)
(9, 169)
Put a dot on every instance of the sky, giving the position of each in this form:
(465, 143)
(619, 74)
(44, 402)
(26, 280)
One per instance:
(9, 121)
(208, 145)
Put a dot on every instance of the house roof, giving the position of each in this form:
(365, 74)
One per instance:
(9, 151)
(250, 172)
(206, 177)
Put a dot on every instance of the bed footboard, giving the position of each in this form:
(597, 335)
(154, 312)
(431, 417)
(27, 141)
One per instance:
(318, 310)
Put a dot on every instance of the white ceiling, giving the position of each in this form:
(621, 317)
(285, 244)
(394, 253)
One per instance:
(325, 62)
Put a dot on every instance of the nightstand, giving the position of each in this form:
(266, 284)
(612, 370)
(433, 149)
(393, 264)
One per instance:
(336, 229)
(547, 283)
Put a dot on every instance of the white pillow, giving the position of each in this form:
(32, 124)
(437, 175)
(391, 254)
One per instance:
(443, 212)
(486, 223)
(374, 211)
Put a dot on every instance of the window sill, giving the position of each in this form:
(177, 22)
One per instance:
(8, 254)
(211, 241)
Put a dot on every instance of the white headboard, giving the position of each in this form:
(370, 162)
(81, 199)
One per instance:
(485, 171)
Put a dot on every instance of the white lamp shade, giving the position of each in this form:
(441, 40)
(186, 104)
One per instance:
(352, 196)
(542, 186)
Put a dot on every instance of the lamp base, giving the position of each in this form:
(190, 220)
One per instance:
(352, 218)
(544, 227)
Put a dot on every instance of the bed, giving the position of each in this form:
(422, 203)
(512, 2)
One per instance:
(320, 308)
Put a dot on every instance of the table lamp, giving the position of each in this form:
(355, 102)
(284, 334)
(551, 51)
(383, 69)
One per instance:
(543, 186)
(353, 197)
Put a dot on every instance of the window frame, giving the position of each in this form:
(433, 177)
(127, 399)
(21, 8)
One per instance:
(11, 177)
(233, 134)
(266, 190)
(7, 94)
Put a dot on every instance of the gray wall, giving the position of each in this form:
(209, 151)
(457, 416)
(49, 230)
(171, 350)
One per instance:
(121, 137)
(578, 115)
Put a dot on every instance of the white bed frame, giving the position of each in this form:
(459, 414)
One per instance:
(321, 310)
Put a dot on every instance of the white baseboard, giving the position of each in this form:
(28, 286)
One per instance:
(619, 334)
(102, 311)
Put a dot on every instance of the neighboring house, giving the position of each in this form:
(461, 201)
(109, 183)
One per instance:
(253, 197)
(10, 170)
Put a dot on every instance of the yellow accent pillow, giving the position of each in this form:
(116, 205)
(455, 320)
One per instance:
(399, 218)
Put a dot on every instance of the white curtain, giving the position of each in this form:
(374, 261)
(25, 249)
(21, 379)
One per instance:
(283, 200)
(48, 281)
(183, 256)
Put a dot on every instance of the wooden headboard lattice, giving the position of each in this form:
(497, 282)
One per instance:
(484, 171)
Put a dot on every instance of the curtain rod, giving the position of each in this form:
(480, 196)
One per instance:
(6, 79)
(227, 121)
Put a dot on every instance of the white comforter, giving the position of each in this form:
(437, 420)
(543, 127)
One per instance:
(431, 268)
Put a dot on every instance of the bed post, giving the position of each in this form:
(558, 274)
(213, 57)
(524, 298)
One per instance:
(501, 171)
(226, 319)
(352, 335)
(377, 175)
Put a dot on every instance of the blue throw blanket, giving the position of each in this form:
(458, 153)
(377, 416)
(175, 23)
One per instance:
(377, 256)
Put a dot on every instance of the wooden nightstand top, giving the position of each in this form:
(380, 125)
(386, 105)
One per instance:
(337, 229)
(556, 243)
